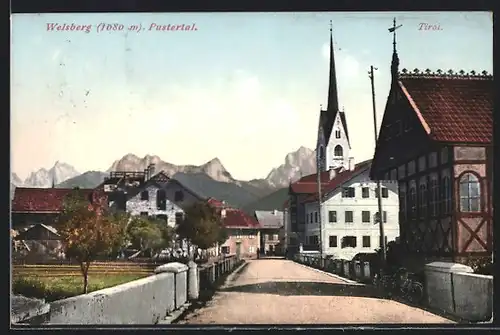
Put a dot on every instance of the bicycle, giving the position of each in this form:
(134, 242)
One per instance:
(411, 289)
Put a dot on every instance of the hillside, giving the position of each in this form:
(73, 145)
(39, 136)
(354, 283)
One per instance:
(272, 201)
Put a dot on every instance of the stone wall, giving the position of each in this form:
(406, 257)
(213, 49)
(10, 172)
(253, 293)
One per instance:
(454, 289)
(156, 299)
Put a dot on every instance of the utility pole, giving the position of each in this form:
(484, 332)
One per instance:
(379, 188)
(319, 214)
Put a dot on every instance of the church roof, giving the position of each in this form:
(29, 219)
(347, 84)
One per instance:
(452, 107)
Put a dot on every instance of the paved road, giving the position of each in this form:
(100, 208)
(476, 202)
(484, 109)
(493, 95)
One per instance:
(277, 291)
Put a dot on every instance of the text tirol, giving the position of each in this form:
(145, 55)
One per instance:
(173, 27)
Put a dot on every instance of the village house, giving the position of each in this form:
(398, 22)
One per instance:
(349, 213)
(31, 206)
(150, 194)
(271, 232)
(436, 142)
(243, 231)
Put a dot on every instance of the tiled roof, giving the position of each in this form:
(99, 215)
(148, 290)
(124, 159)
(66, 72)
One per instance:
(236, 218)
(269, 219)
(339, 179)
(453, 109)
(41, 199)
(308, 184)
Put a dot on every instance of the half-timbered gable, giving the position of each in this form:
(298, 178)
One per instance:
(435, 139)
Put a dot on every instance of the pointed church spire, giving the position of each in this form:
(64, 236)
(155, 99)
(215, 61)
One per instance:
(333, 100)
(395, 58)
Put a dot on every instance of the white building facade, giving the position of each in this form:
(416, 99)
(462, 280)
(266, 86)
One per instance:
(349, 215)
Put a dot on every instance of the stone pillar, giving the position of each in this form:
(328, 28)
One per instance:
(193, 281)
(212, 272)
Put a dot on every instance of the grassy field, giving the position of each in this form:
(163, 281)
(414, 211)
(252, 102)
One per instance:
(60, 287)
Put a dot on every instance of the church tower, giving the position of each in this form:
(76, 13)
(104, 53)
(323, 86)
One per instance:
(333, 146)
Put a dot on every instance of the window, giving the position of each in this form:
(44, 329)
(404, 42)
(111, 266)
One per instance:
(412, 200)
(144, 213)
(163, 217)
(365, 192)
(161, 200)
(275, 237)
(445, 195)
(470, 193)
(144, 195)
(348, 217)
(311, 217)
(349, 242)
(251, 235)
(423, 197)
(348, 192)
(314, 240)
(333, 241)
(385, 192)
(178, 196)
(434, 195)
(337, 133)
(179, 216)
(421, 163)
(338, 151)
(365, 216)
(432, 159)
(332, 216)
(444, 155)
(251, 249)
(402, 171)
(366, 241)
(411, 168)
(315, 217)
(225, 250)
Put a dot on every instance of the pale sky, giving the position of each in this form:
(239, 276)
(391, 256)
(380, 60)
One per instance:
(244, 87)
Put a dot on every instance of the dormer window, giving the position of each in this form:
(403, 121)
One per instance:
(337, 133)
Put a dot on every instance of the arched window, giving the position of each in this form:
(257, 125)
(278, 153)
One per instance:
(470, 193)
(338, 151)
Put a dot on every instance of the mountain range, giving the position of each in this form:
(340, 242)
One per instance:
(210, 179)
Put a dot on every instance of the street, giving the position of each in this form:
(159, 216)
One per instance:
(278, 291)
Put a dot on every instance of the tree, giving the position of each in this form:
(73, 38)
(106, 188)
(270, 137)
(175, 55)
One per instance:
(88, 231)
(202, 226)
(149, 234)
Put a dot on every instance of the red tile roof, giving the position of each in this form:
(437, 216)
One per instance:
(236, 218)
(308, 184)
(452, 108)
(37, 200)
(339, 179)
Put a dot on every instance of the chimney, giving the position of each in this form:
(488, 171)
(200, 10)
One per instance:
(275, 212)
(146, 175)
(351, 163)
(223, 209)
(332, 173)
(152, 170)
